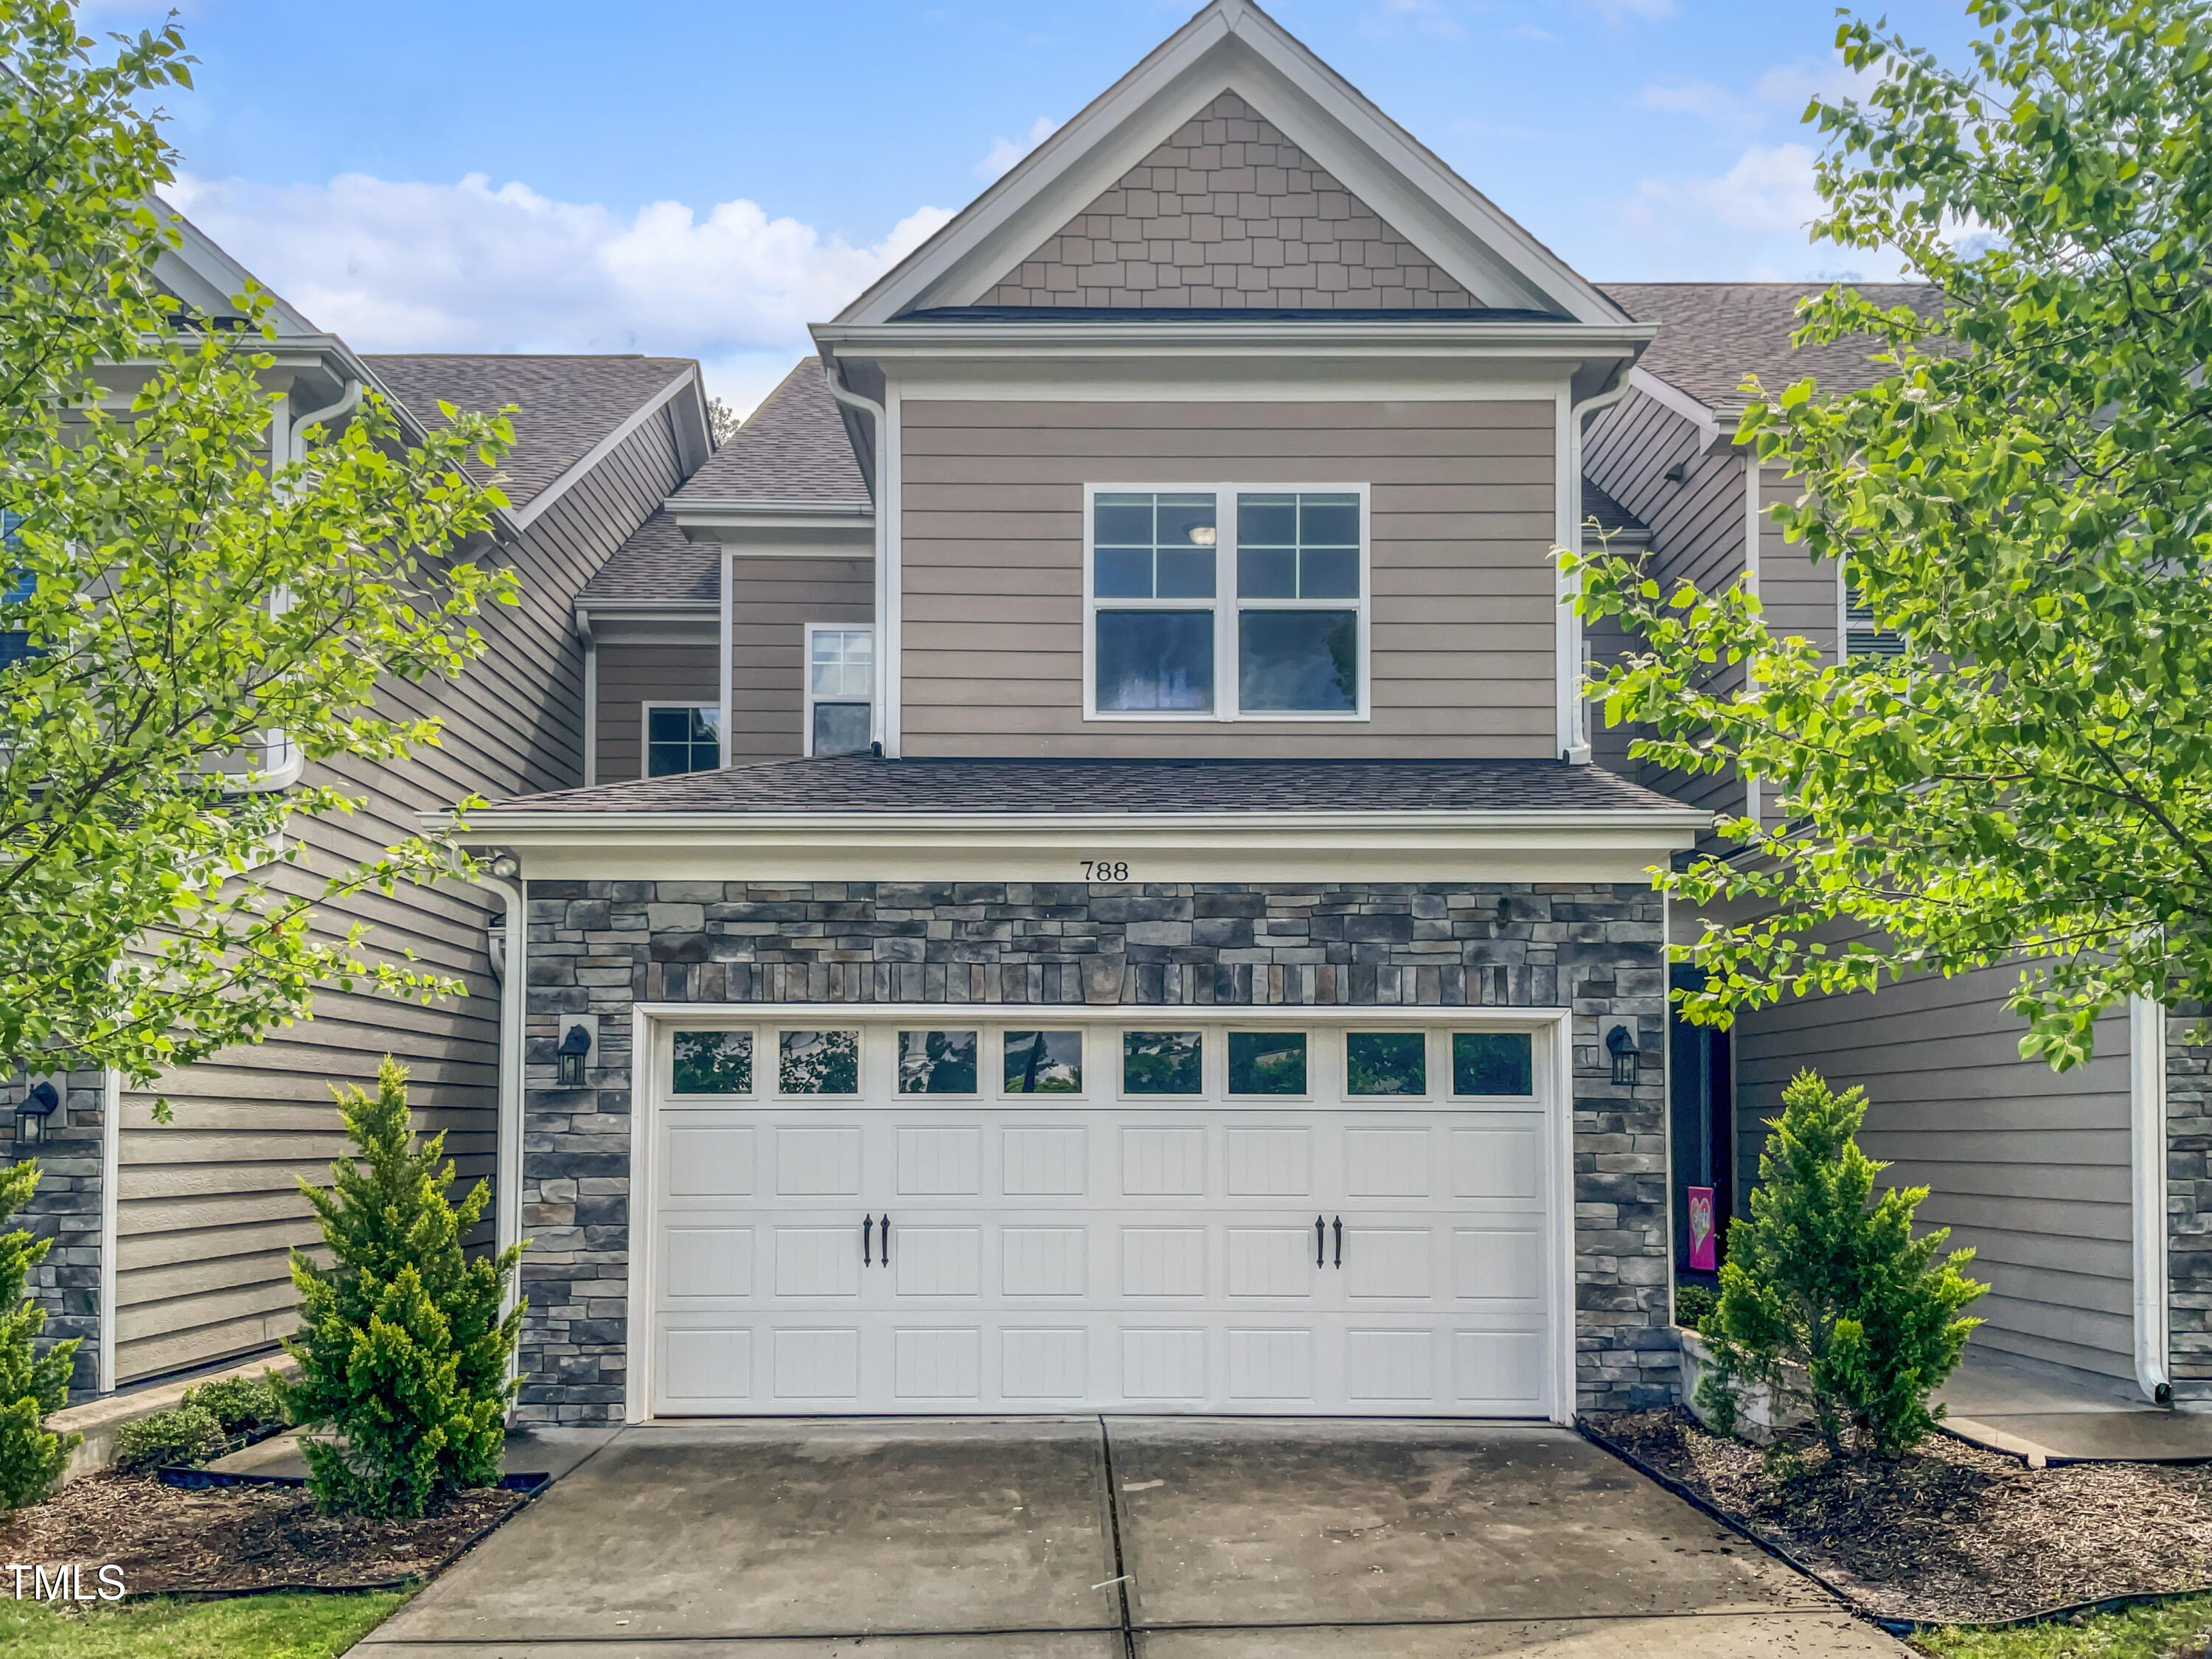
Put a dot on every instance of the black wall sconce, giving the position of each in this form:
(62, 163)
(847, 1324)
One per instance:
(32, 1111)
(569, 1057)
(1621, 1043)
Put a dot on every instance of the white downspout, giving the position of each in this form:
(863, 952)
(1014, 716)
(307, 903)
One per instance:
(1579, 416)
(288, 760)
(1754, 486)
(590, 697)
(726, 650)
(508, 954)
(874, 411)
(111, 1199)
(2147, 1144)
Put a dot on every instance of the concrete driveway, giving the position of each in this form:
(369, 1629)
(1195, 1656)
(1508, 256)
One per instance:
(1121, 1538)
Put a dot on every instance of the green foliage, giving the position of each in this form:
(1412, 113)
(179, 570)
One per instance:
(2025, 498)
(31, 1385)
(820, 1062)
(152, 543)
(241, 1405)
(187, 1435)
(402, 1348)
(283, 1626)
(2161, 1630)
(1826, 1298)
(1694, 1304)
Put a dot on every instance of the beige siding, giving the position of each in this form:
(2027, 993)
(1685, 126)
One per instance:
(1228, 212)
(209, 1206)
(2029, 1166)
(773, 599)
(631, 676)
(1462, 613)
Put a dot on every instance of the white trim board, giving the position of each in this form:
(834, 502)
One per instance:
(526, 515)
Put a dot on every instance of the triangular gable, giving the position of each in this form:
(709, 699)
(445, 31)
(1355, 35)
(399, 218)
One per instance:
(1229, 212)
(207, 279)
(1232, 47)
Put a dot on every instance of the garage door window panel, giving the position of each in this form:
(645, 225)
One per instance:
(712, 1063)
(1268, 1063)
(1043, 1062)
(814, 1062)
(1493, 1063)
(1162, 1063)
(1386, 1063)
(937, 1062)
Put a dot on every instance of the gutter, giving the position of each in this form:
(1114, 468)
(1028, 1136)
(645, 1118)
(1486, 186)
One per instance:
(1318, 337)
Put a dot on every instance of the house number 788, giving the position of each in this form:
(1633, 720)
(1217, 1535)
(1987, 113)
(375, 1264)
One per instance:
(1104, 870)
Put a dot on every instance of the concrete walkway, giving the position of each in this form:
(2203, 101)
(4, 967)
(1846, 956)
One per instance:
(2049, 1416)
(1120, 1538)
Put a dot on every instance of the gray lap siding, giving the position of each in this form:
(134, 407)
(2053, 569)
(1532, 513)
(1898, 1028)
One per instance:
(603, 947)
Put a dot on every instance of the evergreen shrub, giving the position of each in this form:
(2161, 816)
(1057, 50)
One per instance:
(33, 1385)
(1826, 1298)
(402, 1348)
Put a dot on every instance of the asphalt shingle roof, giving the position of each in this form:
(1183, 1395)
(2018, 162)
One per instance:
(860, 783)
(793, 448)
(565, 404)
(1713, 334)
(658, 562)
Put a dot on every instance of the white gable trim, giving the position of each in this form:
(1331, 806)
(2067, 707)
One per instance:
(1236, 47)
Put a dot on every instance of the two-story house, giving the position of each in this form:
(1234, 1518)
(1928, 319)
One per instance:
(1064, 868)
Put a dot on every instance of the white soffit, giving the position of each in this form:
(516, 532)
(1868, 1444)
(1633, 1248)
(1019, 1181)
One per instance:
(1231, 46)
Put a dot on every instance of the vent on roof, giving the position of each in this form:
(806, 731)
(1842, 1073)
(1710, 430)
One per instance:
(1861, 638)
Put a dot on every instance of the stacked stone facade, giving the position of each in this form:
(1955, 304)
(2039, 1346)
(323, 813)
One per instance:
(66, 1210)
(1228, 212)
(601, 946)
(2189, 1206)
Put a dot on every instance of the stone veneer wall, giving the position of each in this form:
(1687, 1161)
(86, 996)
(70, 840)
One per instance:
(2188, 1206)
(599, 946)
(1228, 212)
(66, 1209)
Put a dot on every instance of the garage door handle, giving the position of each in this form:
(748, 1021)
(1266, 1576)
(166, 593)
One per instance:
(1339, 1241)
(1320, 1243)
(887, 1241)
(867, 1232)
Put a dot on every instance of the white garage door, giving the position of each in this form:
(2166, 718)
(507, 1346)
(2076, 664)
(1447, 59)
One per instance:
(1170, 1214)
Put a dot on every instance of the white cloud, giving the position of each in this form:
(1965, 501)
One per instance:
(1779, 94)
(1749, 223)
(400, 266)
(1619, 11)
(1425, 16)
(1005, 152)
(1530, 32)
(1701, 99)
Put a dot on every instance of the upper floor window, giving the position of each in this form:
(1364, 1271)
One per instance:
(1270, 623)
(682, 737)
(840, 688)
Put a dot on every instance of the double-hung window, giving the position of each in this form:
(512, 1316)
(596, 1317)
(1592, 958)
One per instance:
(682, 737)
(840, 688)
(1228, 602)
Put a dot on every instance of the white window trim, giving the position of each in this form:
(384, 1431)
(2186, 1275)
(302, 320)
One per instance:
(1225, 604)
(806, 678)
(644, 735)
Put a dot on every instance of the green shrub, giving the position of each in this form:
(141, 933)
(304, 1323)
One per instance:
(1826, 1298)
(31, 1385)
(185, 1434)
(242, 1405)
(402, 1349)
(1694, 1304)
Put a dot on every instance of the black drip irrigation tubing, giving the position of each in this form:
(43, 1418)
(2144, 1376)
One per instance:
(1895, 1627)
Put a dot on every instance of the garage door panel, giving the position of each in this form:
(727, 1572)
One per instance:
(1095, 1253)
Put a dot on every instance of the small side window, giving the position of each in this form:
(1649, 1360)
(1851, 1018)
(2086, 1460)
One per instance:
(840, 688)
(682, 738)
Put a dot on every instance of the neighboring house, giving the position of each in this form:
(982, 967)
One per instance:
(1066, 868)
(173, 1239)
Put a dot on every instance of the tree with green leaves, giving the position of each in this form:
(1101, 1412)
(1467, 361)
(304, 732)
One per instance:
(1826, 1298)
(2025, 499)
(175, 596)
(33, 1385)
(403, 1349)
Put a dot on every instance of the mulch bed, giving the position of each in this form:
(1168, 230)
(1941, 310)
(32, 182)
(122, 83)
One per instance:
(1950, 1532)
(238, 1538)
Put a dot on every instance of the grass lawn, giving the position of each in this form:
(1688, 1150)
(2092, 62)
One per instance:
(279, 1626)
(2152, 1632)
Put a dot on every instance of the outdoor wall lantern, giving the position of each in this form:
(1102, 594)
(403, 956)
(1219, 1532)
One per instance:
(1621, 1043)
(31, 1114)
(570, 1055)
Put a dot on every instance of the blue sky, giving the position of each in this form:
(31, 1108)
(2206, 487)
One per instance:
(702, 179)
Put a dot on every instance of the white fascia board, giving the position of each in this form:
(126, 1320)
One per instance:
(1042, 846)
(523, 516)
(1673, 398)
(710, 510)
(1563, 343)
(1235, 47)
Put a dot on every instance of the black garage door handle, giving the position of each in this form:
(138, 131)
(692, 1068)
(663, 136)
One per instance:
(1320, 1244)
(1339, 1241)
(887, 1241)
(867, 1231)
